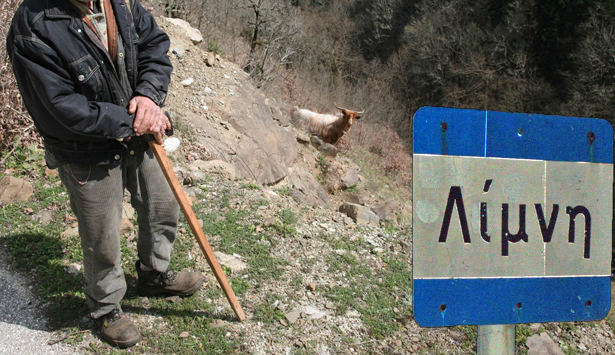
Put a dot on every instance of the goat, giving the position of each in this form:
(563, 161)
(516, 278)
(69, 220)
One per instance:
(329, 127)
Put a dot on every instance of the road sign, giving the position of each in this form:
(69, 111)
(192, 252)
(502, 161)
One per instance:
(512, 217)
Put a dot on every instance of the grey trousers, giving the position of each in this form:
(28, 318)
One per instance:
(96, 197)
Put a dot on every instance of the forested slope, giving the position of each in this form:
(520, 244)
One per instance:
(393, 56)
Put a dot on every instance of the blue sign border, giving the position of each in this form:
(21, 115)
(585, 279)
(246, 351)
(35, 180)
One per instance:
(491, 134)
(448, 302)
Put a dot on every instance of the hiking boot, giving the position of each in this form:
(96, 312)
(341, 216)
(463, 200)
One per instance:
(170, 282)
(118, 330)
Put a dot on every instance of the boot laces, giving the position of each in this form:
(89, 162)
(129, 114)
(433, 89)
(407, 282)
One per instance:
(168, 277)
(112, 316)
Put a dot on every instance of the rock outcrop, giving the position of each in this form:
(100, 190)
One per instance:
(14, 189)
(233, 120)
(305, 189)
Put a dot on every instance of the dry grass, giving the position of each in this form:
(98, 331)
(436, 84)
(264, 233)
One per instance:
(387, 149)
(16, 127)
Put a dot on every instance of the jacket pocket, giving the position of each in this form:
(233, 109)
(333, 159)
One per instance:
(87, 76)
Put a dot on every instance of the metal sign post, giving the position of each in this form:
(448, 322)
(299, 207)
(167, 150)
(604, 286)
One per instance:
(495, 339)
(512, 220)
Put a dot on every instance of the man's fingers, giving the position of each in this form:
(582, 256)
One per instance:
(165, 120)
(151, 120)
(146, 114)
(140, 110)
(132, 106)
(139, 121)
(157, 126)
(159, 123)
(147, 121)
(158, 138)
(163, 127)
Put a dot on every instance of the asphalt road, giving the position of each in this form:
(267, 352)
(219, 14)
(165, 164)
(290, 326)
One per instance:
(23, 328)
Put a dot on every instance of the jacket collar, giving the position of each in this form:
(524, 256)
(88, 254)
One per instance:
(60, 9)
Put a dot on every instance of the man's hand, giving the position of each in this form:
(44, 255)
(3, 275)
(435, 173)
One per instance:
(149, 118)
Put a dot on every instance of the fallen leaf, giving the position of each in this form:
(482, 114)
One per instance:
(184, 334)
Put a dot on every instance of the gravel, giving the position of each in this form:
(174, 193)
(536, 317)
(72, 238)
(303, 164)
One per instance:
(23, 328)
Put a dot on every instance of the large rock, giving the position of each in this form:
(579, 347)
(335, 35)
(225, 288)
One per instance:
(245, 133)
(192, 33)
(293, 316)
(360, 214)
(74, 269)
(126, 226)
(306, 189)
(233, 262)
(341, 176)
(44, 217)
(260, 149)
(312, 312)
(210, 59)
(51, 172)
(128, 211)
(14, 189)
(352, 198)
(380, 209)
(542, 345)
(325, 148)
(232, 119)
(179, 51)
(215, 166)
(72, 232)
(251, 141)
(303, 137)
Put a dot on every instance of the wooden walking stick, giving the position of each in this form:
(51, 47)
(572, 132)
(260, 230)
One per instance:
(184, 204)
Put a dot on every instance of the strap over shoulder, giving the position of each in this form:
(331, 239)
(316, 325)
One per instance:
(129, 6)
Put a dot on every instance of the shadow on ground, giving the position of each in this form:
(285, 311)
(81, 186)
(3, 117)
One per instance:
(38, 263)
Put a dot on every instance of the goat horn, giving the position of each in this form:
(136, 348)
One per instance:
(345, 109)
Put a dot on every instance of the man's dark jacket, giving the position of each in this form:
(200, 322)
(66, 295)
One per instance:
(76, 94)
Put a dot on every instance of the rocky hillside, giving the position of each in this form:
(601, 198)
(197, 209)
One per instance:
(345, 286)
(226, 123)
(316, 245)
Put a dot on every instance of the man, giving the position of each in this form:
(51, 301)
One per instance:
(93, 75)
